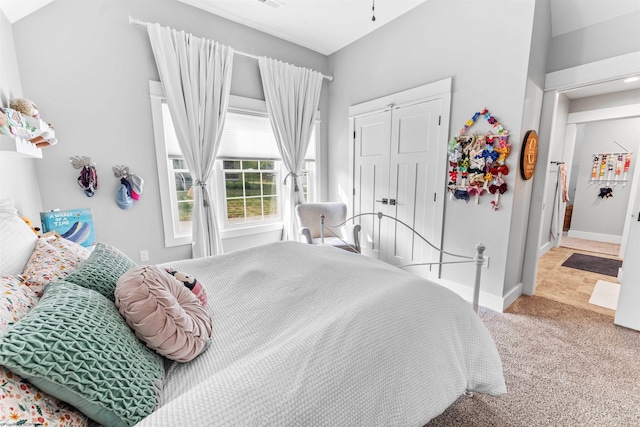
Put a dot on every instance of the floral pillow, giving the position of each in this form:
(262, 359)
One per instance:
(52, 261)
(24, 404)
(20, 402)
(16, 299)
(71, 248)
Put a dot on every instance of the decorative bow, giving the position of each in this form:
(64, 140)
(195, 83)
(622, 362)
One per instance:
(503, 169)
(605, 192)
(502, 188)
(461, 194)
(475, 191)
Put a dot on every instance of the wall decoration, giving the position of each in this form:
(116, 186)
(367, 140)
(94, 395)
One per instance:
(529, 154)
(88, 179)
(477, 163)
(611, 168)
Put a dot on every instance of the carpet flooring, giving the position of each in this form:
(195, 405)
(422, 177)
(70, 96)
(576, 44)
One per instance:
(564, 366)
(590, 245)
(594, 264)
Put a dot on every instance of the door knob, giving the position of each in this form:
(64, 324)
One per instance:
(383, 201)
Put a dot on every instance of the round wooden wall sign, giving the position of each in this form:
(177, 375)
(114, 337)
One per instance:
(529, 154)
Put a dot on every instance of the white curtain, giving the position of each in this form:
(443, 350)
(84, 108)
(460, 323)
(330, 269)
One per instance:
(196, 76)
(292, 95)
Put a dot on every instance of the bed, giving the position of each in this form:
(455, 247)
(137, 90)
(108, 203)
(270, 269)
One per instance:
(305, 335)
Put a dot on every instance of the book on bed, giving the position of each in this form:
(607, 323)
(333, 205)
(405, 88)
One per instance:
(72, 224)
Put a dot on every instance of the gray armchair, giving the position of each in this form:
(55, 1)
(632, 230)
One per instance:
(309, 217)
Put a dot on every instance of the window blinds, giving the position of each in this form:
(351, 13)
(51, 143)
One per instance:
(246, 135)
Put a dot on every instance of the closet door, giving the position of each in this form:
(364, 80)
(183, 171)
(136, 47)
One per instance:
(371, 175)
(413, 189)
(395, 163)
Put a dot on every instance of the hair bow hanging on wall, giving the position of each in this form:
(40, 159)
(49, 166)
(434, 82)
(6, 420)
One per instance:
(88, 179)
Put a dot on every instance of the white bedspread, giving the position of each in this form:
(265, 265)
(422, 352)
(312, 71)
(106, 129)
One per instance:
(316, 336)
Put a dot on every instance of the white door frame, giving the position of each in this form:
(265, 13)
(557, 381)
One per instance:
(556, 82)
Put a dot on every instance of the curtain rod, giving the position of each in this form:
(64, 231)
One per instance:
(135, 21)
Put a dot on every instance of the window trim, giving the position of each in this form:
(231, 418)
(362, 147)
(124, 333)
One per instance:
(173, 237)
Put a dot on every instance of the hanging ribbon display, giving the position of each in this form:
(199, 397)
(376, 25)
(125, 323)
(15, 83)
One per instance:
(611, 167)
(477, 163)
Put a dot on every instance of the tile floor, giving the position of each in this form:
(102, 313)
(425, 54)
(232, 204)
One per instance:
(568, 285)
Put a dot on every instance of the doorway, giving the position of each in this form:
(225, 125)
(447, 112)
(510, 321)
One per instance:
(603, 76)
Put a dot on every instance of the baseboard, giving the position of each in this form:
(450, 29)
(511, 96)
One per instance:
(607, 238)
(487, 300)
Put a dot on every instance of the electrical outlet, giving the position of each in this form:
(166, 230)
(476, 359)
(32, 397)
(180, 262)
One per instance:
(144, 255)
(486, 262)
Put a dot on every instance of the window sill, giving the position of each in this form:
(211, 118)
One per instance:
(248, 230)
(230, 233)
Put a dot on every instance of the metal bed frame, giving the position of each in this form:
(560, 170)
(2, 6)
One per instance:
(478, 259)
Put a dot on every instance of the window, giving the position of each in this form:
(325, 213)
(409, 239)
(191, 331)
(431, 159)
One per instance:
(248, 178)
(251, 191)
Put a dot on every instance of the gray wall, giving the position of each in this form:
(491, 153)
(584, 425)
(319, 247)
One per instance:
(434, 41)
(88, 70)
(596, 42)
(592, 214)
(532, 108)
(18, 176)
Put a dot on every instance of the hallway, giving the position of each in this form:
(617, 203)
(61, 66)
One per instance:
(568, 285)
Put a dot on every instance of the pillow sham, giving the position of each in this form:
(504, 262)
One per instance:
(23, 404)
(17, 241)
(102, 269)
(74, 345)
(163, 312)
(51, 261)
(16, 300)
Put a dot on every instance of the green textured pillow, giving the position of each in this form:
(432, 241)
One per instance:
(102, 270)
(74, 345)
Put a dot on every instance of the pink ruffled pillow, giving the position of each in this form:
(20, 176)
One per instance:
(163, 313)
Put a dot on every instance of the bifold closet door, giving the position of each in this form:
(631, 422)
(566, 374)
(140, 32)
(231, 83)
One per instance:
(395, 162)
(371, 156)
(413, 163)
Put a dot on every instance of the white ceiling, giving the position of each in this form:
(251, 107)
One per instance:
(326, 26)
(18, 9)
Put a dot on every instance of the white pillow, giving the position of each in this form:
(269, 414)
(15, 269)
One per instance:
(7, 207)
(17, 242)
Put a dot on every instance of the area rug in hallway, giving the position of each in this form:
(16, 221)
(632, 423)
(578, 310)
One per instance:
(594, 264)
(564, 367)
(605, 294)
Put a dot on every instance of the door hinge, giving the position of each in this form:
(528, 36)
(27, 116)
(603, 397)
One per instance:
(354, 135)
(439, 120)
(354, 191)
(434, 196)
